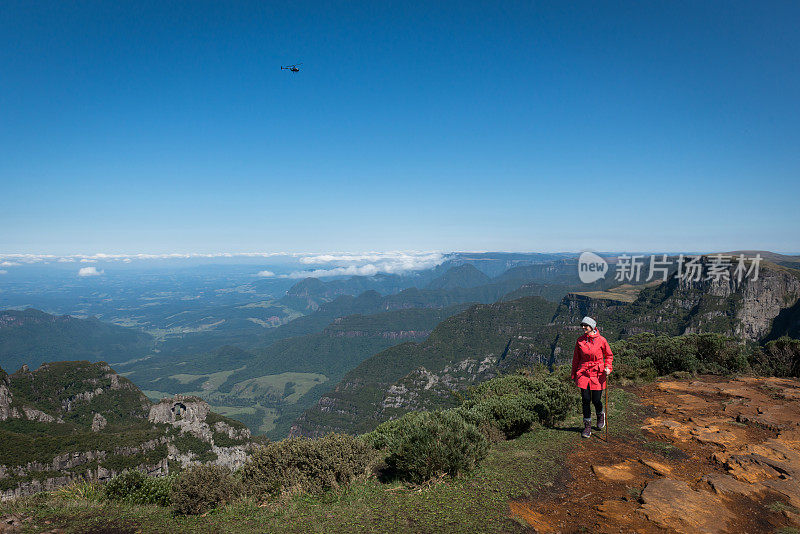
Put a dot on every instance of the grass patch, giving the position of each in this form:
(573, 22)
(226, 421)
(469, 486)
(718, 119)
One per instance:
(276, 385)
(212, 380)
(624, 292)
(155, 395)
(780, 506)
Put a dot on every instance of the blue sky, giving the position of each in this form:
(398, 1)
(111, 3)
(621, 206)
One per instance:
(161, 127)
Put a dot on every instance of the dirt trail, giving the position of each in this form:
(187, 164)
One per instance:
(718, 455)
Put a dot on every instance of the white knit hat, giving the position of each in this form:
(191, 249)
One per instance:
(589, 321)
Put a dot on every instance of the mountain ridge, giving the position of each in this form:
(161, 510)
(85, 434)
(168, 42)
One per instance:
(746, 310)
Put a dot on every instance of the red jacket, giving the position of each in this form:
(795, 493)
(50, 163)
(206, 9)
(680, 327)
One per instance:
(591, 356)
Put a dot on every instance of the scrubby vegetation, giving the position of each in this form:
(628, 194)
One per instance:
(513, 403)
(134, 487)
(297, 465)
(436, 443)
(422, 445)
(644, 356)
(780, 357)
(204, 487)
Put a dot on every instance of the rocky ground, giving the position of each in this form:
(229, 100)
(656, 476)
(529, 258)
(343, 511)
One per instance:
(715, 455)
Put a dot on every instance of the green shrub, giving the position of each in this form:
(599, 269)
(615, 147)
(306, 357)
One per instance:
(305, 465)
(513, 403)
(556, 399)
(501, 386)
(386, 433)
(630, 369)
(642, 355)
(507, 406)
(718, 354)
(435, 443)
(134, 487)
(510, 414)
(203, 487)
(780, 357)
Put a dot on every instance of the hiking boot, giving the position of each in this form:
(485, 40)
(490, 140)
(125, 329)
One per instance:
(601, 420)
(587, 428)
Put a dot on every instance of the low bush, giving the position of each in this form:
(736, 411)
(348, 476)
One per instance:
(134, 487)
(387, 432)
(556, 400)
(501, 408)
(305, 465)
(203, 487)
(513, 403)
(501, 386)
(645, 355)
(512, 415)
(780, 357)
(630, 369)
(434, 443)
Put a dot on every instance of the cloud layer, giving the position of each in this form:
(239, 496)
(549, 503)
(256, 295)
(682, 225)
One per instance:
(366, 264)
(318, 264)
(20, 259)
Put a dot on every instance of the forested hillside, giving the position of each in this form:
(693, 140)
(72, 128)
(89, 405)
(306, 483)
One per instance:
(31, 337)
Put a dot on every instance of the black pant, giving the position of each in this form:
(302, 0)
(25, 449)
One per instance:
(589, 397)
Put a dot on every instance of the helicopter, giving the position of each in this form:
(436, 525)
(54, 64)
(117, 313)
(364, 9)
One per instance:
(293, 68)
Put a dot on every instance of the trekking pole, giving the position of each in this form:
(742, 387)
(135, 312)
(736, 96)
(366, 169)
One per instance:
(607, 408)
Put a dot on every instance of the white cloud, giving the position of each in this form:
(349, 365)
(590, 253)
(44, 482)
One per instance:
(3, 272)
(369, 264)
(18, 259)
(9, 264)
(89, 271)
(327, 264)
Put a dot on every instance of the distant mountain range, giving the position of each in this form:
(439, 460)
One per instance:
(486, 340)
(32, 337)
(464, 276)
(269, 374)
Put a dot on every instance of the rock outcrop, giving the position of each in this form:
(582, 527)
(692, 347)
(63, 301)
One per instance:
(191, 415)
(715, 455)
(5, 397)
(117, 427)
(188, 414)
(98, 423)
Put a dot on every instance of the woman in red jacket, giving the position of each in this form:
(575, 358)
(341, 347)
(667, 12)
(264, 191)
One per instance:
(591, 364)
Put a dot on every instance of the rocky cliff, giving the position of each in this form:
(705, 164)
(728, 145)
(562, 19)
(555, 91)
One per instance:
(69, 421)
